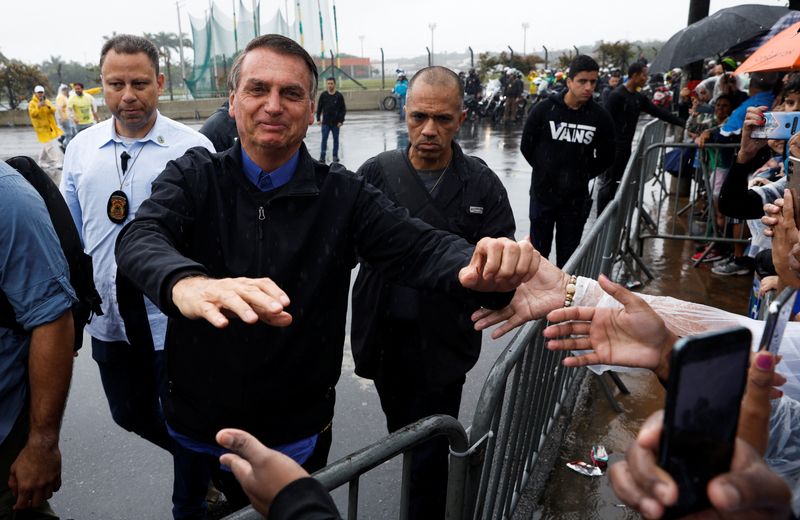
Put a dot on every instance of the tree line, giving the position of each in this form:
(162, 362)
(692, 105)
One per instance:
(17, 78)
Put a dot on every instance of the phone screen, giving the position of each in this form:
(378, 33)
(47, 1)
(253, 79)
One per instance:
(706, 385)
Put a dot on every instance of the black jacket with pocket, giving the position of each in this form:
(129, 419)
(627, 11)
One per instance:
(475, 204)
(205, 217)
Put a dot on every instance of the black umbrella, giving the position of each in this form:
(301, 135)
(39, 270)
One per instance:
(715, 34)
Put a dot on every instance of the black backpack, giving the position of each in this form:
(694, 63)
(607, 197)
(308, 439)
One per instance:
(80, 264)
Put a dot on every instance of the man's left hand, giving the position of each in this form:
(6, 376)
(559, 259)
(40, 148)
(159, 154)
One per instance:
(499, 265)
(36, 474)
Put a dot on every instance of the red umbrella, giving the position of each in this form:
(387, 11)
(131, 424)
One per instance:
(780, 53)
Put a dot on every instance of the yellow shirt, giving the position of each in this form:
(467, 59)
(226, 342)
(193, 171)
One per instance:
(82, 107)
(61, 108)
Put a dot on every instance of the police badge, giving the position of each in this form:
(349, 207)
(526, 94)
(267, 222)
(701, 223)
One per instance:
(117, 207)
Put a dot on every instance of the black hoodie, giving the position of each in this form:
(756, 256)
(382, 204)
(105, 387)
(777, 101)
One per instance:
(566, 148)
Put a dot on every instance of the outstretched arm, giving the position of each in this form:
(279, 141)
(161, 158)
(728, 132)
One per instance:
(536, 297)
(275, 484)
(633, 336)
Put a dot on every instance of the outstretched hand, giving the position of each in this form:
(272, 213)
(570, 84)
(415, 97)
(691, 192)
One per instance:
(262, 472)
(499, 265)
(632, 336)
(541, 294)
(215, 300)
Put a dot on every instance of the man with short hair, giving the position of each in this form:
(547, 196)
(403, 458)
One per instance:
(81, 104)
(417, 344)
(108, 173)
(229, 244)
(330, 115)
(42, 114)
(63, 116)
(36, 361)
(624, 104)
(568, 139)
(513, 91)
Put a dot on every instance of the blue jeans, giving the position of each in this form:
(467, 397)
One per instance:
(332, 129)
(135, 383)
(401, 107)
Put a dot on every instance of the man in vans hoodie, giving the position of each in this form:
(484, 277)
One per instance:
(568, 139)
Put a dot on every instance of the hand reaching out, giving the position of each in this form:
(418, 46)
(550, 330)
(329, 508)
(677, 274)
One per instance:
(249, 299)
(632, 336)
(544, 292)
(499, 265)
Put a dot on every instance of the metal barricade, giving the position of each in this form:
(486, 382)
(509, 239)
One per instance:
(666, 213)
(523, 394)
(349, 469)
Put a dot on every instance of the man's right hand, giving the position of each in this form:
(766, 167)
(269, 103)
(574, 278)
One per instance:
(36, 473)
(249, 299)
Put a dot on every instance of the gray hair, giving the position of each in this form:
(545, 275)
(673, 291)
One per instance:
(278, 44)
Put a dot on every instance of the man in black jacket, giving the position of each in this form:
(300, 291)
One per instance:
(229, 244)
(624, 104)
(332, 109)
(568, 139)
(416, 344)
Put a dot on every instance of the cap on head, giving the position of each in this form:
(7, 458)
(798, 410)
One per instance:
(728, 64)
(38, 88)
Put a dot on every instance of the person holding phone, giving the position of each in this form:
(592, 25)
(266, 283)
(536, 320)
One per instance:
(749, 490)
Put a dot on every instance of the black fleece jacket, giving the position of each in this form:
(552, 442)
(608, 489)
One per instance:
(204, 216)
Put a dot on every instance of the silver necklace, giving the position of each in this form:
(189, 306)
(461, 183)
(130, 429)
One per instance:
(430, 192)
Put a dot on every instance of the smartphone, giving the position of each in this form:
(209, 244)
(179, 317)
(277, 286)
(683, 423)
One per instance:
(778, 125)
(704, 393)
(793, 185)
(777, 315)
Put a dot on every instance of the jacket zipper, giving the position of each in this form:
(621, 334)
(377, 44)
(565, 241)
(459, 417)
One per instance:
(262, 216)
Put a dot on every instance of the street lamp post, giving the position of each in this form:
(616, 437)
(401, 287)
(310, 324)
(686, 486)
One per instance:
(361, 37)
(432, 27)
(525, 26)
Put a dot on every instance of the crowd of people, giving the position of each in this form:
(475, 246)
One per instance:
(223, 259)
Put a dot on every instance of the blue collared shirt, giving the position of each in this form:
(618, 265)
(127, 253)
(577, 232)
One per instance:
(92, 172)
(34, 277)
(267, 181)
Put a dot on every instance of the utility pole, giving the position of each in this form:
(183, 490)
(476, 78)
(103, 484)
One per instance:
(525, 26)
(432, 27)
(180, 47)
(698, 9)
(361, 37)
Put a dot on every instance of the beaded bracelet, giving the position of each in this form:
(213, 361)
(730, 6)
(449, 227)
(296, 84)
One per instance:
(570, 292)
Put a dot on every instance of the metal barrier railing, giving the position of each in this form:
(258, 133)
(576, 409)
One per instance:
(349, 469)
(651, 223)
(520, 413)
(523, 393)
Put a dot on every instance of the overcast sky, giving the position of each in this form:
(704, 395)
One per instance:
(32, 32)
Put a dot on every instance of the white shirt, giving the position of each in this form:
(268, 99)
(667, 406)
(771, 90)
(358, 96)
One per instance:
(92, 172)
